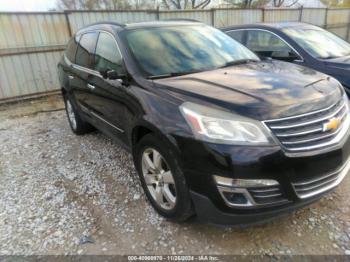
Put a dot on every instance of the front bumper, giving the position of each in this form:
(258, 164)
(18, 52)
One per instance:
(207, 212)
(302, 179)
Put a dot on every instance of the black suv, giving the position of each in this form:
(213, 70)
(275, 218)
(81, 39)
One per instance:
(213, 131)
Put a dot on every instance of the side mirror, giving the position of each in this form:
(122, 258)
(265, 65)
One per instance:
(112, 74)
(284, 55)
(109, 74)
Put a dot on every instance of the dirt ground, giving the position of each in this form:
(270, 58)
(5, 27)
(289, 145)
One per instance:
(67, 194)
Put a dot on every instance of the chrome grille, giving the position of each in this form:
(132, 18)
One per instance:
(311, 187)
(307, 131)
(267, 195)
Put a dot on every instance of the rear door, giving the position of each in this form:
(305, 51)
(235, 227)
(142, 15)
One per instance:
(83, 67)
(69, 60)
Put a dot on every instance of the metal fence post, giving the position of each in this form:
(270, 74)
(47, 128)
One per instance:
(212, 16)
(66, 15)
(157, 13)
(301, 13)
(263, 14)
(348, 31)
(326, 19)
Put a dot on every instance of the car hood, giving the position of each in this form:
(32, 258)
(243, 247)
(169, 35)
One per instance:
(260, 90)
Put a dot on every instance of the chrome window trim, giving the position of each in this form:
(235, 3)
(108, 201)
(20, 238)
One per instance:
(87, 70)
(103, 31)
(301, 60)
(81, 68)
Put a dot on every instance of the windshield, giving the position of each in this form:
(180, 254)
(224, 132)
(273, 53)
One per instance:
(174, 50)
(319, 43)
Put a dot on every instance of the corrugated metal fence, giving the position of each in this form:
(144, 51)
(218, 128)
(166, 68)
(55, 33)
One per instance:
(32, 43)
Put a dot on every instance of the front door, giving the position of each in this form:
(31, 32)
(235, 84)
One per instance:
(108, 97)
(267, 44)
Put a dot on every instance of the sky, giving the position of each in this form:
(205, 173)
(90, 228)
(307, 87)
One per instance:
(26, 5)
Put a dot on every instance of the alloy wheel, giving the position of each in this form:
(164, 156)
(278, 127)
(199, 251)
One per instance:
(159, 179)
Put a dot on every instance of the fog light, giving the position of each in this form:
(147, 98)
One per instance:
(235, 193)
(236, 198)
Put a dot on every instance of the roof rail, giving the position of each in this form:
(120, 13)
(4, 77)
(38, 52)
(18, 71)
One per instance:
(181, 19)
(108, 22)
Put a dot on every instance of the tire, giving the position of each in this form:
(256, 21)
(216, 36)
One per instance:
(179, 210)
(78, 126)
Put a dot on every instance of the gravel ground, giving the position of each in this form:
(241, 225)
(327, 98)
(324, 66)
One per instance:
(67, 194)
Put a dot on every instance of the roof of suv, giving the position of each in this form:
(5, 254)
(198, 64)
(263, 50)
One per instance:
(279, 25)
(169, 22)
(109, 24)
(145, 24)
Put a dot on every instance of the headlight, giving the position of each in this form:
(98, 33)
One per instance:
(218, 126)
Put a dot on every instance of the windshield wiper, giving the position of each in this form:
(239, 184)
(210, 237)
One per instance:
(330, 57)
(174, 74)
(238, 62)
(231, 63)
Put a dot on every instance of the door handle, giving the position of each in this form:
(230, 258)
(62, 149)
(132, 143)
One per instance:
(92, 87)
(71, 77)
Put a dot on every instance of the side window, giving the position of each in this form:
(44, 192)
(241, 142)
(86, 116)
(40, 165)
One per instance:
(71, 49)
(86, 49)
(107, 54)
(237, 35)
(265, 43)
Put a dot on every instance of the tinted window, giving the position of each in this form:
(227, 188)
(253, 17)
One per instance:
(265, 43)
(71, 49)
(237, 35)
(319, 43)
(86, 49)
(174, 49)
(107, 54)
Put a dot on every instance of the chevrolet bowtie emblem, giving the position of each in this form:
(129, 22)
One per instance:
(332, 124)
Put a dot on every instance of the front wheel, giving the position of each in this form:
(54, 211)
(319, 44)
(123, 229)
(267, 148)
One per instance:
(162, 179)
